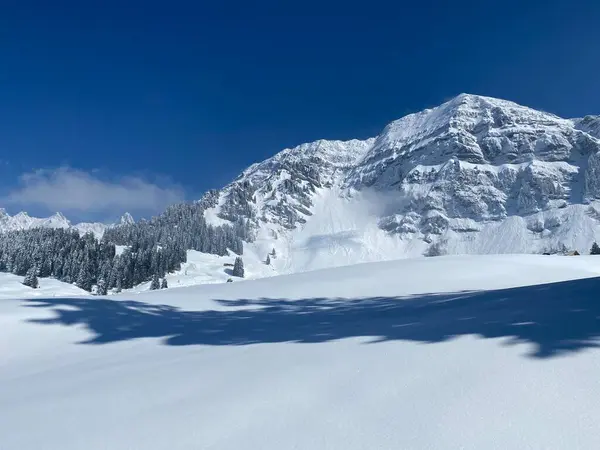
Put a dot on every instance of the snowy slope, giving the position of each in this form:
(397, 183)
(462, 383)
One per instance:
(475, 175)
(11, 287)
(204, 268)
(468, 352)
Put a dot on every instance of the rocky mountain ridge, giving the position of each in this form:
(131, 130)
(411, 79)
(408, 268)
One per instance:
(442, 174)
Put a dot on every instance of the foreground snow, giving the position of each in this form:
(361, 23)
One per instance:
(473, 352)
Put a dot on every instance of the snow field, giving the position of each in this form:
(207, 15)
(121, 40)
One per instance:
(469, 352)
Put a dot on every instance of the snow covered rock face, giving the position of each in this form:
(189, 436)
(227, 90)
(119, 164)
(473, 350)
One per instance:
(280, 189)
(589, 124)
(456, 169)
(482, 159)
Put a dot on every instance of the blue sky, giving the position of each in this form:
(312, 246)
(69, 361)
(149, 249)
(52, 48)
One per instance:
(112, 106)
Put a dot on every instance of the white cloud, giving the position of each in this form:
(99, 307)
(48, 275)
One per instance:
(66, 189)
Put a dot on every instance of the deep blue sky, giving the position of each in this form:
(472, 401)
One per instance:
(185, 93)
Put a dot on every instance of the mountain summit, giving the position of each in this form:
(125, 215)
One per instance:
(474, 175)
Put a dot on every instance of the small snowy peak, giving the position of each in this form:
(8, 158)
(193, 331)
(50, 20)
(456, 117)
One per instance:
(57, 220)
(23, 221)
(126, 219)
(20, 221)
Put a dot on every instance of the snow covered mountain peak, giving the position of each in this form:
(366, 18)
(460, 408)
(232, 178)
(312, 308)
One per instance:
(58, 220)
(444, 177)
(334, 154)
(126, 219)
(23, 221)
(279, 190)
(464, 112)
(471, 128)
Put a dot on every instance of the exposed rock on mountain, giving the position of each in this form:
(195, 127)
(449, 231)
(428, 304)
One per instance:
(459, 175)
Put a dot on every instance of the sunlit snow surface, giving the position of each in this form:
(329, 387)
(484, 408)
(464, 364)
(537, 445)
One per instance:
(462, 352)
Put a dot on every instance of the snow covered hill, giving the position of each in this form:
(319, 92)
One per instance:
(456, 352)
(204, 268)
(474, 175)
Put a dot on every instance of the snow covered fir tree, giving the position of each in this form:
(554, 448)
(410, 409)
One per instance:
(101, 287)
(238, 268)
(154, 284)
(31, 278)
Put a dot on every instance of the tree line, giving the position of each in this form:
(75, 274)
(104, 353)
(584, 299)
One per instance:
(150, 249)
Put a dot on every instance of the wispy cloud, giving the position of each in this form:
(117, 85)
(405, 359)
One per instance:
(71, 190)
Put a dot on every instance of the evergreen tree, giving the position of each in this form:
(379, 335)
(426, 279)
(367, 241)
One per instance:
(84, 278)
(101, 288)
(273, 253)
(154, 285)
(238, 268)
(268, 261)
(31, 278)
(164, 284)
(595, 249)
(118, 287)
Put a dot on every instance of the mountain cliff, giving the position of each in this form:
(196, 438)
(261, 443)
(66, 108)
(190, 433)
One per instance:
(474, 175)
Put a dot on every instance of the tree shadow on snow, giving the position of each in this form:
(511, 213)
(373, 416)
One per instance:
(556, 318)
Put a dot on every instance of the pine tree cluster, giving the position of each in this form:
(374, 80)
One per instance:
(84, 260)
(153, 248)
(185, 225)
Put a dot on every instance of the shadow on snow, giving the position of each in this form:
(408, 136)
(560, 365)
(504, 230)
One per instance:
(556, 318)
